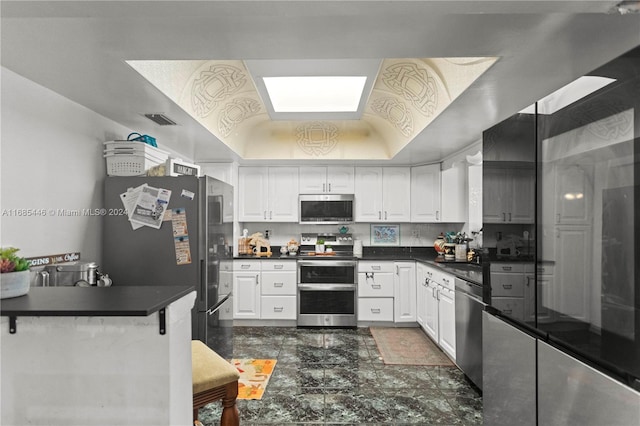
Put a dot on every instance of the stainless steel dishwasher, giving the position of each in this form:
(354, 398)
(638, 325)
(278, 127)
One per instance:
(469, 307)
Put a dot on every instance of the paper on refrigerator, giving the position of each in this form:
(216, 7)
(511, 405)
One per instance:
(146, 205)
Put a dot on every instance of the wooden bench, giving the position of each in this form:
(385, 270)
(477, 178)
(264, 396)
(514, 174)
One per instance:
(214, 378)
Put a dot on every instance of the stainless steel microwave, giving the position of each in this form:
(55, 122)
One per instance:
(326, 208)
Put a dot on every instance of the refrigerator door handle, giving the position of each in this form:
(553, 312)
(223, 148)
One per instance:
(215, 308)
(203, 282)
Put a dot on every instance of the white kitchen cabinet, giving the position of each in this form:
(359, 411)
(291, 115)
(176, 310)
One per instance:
(405, 292)
(426, 194)
(439, 316)
(375, 291)
(454, 198)
(545, 298)
(382, 194)
(246, 289)
(278, 289)
(573, 195)
(268, 194)
(508, 195)
(421, 293)
(447, 321)
(327, 180)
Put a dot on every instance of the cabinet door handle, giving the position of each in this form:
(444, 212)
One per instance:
(278, 309)
(278, 266)
(380, 214)
(324, 187)
(257, 279)
(509, 216)
(385, 215)
(507, 311)
(375, 268)
(270, 214)
(437, 214)
(376, 286)
(507, 286)
(245, 266)
(278, 284)
(329, 187)
(375, 310)
(506, 268)
(438, 294)
(504, 217)
(265, 215)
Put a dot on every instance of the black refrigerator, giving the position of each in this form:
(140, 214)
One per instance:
(174, 231)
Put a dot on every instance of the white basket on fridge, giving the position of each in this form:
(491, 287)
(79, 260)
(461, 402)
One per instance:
(126, 158)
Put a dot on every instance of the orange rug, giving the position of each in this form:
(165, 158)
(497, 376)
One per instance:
(407, 346)
(254, 376)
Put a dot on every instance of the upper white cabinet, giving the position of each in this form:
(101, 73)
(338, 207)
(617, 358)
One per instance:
(327, 180)
(268, 194)
(508, 195)
(454, 195)
(439, 196)
(425, 194)
(382, 194)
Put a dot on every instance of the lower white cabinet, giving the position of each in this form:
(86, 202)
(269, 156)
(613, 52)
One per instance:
(278, 291)
(246, 289)
(375, 291)
(264, 289)
(436, 307)
(404, 296)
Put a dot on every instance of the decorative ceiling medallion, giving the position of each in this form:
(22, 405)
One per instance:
(215, 85)
(414, 84)
(235, 112)
(396, 113)
(317, 138)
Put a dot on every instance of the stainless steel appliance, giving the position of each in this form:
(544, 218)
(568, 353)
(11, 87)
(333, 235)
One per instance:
(149, 256)
(469, 307)
(81, 274)
(327, 287)
(326, 208)
(573, 169)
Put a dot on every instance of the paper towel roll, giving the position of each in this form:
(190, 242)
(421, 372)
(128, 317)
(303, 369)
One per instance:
(357, 248)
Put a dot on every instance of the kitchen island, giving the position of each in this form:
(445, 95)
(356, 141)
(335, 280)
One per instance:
(97, 356)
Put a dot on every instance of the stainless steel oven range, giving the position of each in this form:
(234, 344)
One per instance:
(327, 288)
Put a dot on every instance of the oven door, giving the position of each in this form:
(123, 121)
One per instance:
(327, 293)
(329, 305)
(326, 272)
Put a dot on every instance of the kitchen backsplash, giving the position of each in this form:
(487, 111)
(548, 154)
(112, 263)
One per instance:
(411, 234)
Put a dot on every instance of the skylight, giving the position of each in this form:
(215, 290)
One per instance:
(315, 93)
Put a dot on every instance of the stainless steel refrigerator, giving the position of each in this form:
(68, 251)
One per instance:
(184, 242)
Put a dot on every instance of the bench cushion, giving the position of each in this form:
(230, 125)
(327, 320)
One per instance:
(209, 369)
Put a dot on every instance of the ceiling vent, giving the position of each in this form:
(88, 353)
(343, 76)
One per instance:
(160, 119)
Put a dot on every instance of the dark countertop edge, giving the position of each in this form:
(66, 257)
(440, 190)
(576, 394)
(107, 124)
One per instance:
(24, 308)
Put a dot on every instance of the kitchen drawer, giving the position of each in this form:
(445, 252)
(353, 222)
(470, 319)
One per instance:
(511, 306)
(275, 265)
(372, 284)
(509, 285)
(375, 309)
(246, 265)
(278, 307)
(368, 266)
(274, 283)
(507, 267)
(545, 269)
(226, 282)
(226, 265)
(226, 310)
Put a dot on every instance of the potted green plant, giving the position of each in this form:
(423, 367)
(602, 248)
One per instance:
(15, 277)
(320, 245)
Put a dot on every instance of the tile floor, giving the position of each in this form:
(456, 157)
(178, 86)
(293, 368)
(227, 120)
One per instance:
(336, 377)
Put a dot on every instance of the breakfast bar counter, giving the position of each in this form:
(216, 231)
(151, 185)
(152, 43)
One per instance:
(97, 356)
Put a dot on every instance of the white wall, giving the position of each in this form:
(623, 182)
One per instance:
(51, 158)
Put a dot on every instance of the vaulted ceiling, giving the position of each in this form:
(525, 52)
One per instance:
(93, 52)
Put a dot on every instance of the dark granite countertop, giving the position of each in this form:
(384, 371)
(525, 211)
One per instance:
(93, 301)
